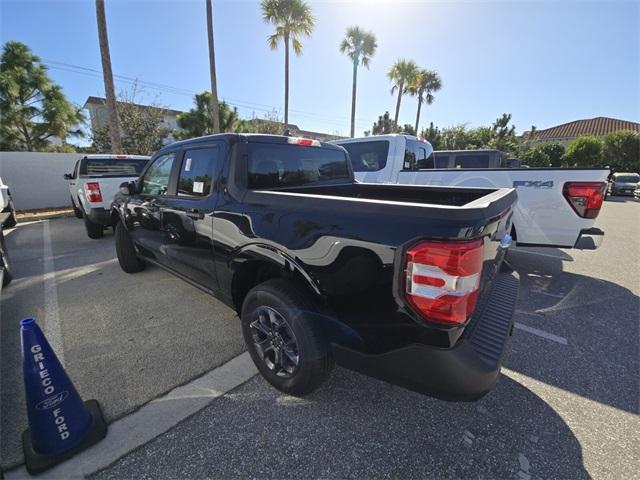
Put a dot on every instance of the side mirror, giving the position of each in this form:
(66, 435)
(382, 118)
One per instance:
(128, 188)
(68, 176)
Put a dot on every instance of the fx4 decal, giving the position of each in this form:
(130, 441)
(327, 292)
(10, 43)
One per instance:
(533, 183)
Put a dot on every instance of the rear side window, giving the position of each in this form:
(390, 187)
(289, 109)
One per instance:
(442, 160)
(472, 161)
(274, 165)
(156, 178)
(196, 174)
(368, 156)
(112, 167)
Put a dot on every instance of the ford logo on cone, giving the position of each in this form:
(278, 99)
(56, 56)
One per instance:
(52, 401)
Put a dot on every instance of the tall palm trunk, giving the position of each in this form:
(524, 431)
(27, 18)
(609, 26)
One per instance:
(107, 74)
(286, 80)
(353, 97)
(215, 108)
(418, 114)
(400, 89)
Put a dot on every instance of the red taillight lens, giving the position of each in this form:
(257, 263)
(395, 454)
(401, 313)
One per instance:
(92, 189)
(585, 197)
(442, 279)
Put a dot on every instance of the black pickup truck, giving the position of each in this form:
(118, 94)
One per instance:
(402, 283)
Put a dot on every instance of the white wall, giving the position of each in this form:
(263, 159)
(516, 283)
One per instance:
(36, 179)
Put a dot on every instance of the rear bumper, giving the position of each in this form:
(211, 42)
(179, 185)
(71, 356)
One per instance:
(589, 239)
(463, 373)
(99, 215)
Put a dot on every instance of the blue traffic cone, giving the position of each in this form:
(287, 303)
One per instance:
(60, 423)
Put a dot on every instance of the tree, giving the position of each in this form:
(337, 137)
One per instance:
(384, 125)
(402, 74)
(585, 151)
(433, 136)
(142, 129)
(621, 151)
(292, 19)
(107, 75)
(359, 46)
(425, 83)
(198, 121)
(536, 157)
(504, 137)
(456, 137)
(32, 108)
(215, 126)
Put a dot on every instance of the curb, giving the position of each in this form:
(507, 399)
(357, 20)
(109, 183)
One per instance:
(29, 217)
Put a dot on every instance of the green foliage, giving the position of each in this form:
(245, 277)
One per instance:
(33, 109)
(359, 45)
(384, 125)
(403, 74)
(142, 129)
(198, 121)
(433, 135)
(621, 151)
(292, 19)
(544, 155)
(503, 137)
(585, 151)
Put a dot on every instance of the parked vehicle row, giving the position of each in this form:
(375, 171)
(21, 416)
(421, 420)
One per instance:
(557, 207)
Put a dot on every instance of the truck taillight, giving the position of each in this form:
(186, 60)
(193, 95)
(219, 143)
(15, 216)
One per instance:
(92, 189)
(442, 280)
(585, 197)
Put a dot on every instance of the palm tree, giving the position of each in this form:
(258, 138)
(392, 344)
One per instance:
(212, 67)
(359, 46)
(402, 75)
(425, 83)
(292, 19)
(107, 74)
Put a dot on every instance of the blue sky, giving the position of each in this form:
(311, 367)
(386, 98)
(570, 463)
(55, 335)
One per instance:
(545, 62)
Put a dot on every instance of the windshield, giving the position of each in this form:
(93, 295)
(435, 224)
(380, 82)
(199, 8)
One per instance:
(276, 166)
(627, 179)
(112, 167)
(368, 156)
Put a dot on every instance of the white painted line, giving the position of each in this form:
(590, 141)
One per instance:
(559, 257)
(52, 328)
(541, 333)
(151, 420)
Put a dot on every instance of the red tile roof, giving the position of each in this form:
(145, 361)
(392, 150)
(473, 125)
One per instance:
(598, 126)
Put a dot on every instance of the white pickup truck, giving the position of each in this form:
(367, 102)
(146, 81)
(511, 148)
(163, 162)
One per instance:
(7, 210)
(93, 183)
(556, 207)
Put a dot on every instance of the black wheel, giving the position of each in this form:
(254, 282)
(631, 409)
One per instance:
(94, 230)
(12, 220)
(284, 341)
(4, 260)
(76, 211)
(129, 261)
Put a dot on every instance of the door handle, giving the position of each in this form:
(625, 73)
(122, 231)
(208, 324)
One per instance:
(195, 214)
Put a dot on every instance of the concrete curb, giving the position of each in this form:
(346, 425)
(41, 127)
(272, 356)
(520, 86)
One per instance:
(30, 217)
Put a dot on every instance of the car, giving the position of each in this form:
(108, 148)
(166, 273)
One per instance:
(402, 283)
(557, 207)
(7, 209)
(5, 268)
(636, 192)
(93, 183)
(623, 183)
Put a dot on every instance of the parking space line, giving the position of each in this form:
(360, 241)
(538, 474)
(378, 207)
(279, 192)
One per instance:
(549, 255)
(541, 333)
(52, 328)
(153, 419)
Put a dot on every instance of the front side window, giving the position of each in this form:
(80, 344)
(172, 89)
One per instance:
(472, 161)
(368, 156)
(273, 165)
(197, 170)
(156, 178)
(416, 156)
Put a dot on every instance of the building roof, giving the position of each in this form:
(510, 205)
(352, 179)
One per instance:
(598, 126)
(101, 101)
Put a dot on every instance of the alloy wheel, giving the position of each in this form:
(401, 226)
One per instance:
(275, 342)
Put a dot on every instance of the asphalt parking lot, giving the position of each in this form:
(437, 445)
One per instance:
(566, 405)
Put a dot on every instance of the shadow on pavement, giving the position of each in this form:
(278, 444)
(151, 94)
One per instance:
(599, 320)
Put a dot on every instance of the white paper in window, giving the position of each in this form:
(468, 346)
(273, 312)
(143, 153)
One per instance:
(198, 187)
(187, 165)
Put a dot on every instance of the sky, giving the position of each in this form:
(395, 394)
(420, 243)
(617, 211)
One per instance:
(545, 62)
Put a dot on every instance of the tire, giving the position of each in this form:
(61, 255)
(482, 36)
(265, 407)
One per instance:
(8, 275)
(127, 258)
(76, 211)
(94, 230)
(12, 220)
(281, 308)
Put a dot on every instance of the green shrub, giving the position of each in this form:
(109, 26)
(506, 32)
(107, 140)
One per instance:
(621, 151)
(585, 151)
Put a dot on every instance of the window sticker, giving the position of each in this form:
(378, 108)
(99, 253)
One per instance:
(187, 165)
(198, 187)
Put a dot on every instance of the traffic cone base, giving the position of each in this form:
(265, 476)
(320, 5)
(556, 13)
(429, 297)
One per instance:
(37, 462)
